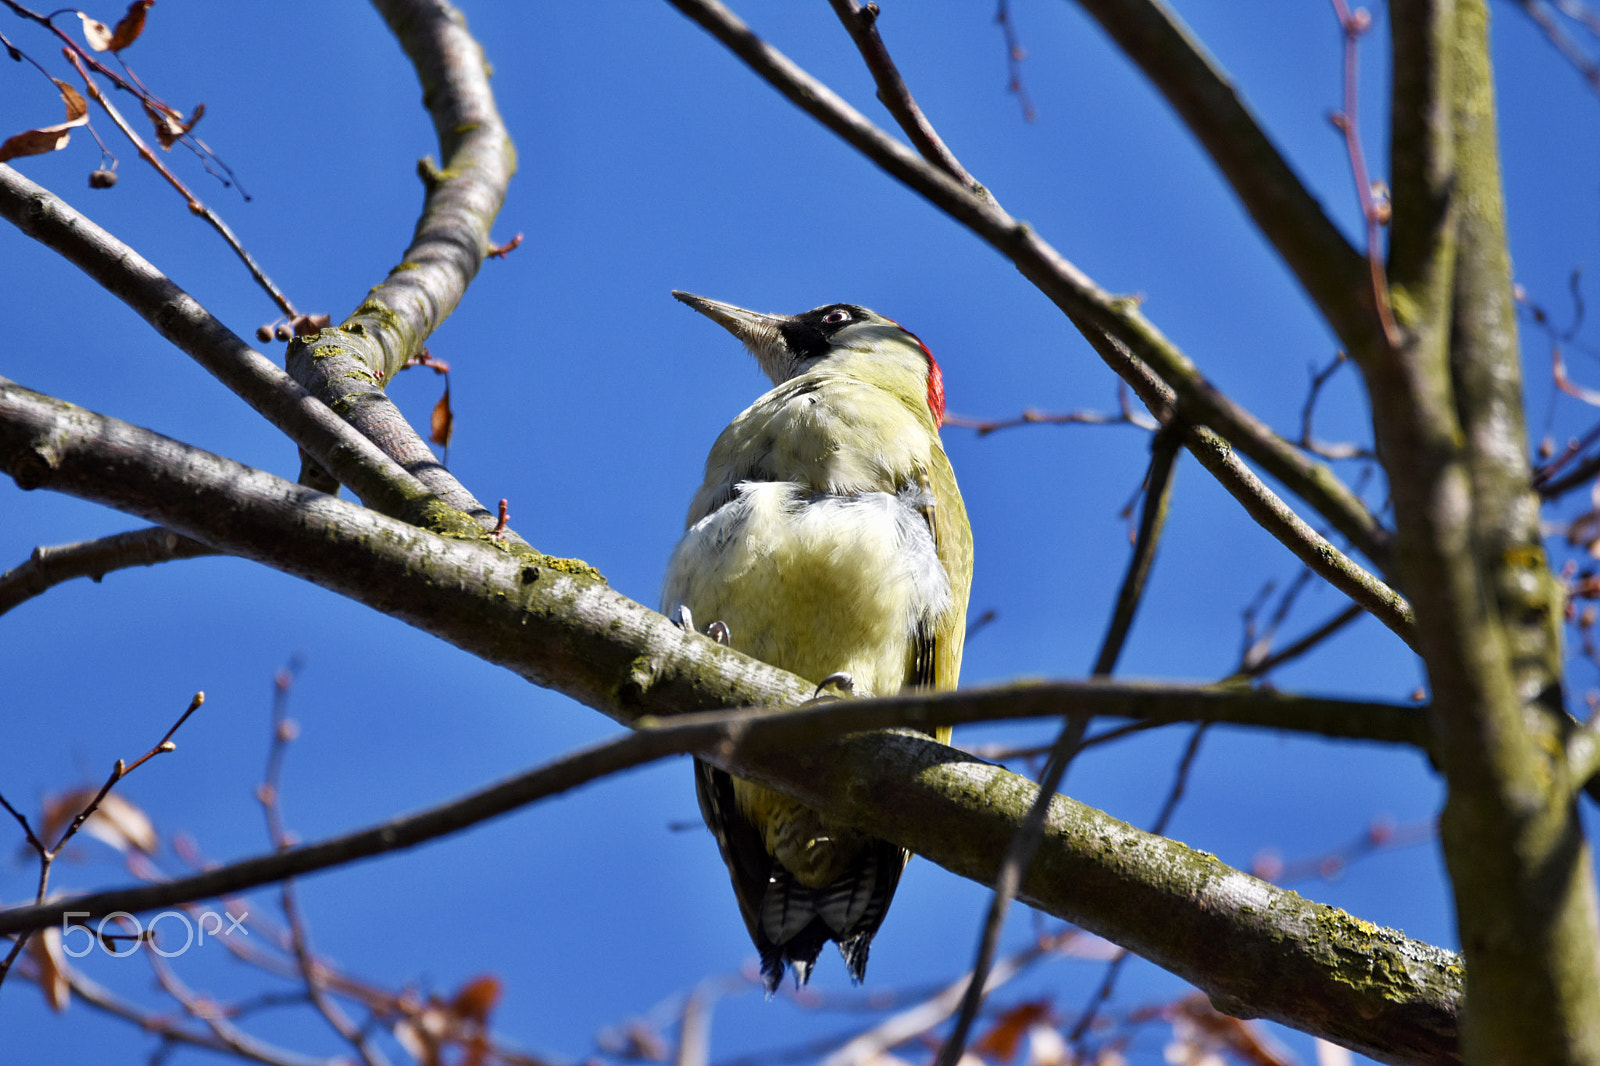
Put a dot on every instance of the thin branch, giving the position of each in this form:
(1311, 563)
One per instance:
(862, 25)
(49, 566)
(1031, 417)
(710, 734)
(1308, 441)
(871, 1046)
(195, 206)
(171, 1031)
(49, 853)
(1096, 313)
(1108, 983)
(1374, 208)
(1309, 546)
(310, 968)
(1152, 519)
(1562, 40)
(1014, 865)
(1267, 663)
(1014, 57)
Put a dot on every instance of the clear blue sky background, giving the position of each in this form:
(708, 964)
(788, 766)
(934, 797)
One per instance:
(650, 159)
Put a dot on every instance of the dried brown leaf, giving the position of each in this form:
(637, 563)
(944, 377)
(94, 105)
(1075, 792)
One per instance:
(1200, 1031)
(49, 968)
(170, 125)
(442, 425)
(117, 821)
(1004, 1039)
(130, 25)
(477, 998)
(121, 824)
(48, 138)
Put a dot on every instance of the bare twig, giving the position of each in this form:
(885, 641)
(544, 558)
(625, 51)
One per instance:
(1562, 39)
(1031, 417)
(177, 316)
(1381, 835)
(49, 566)
(1014, 57)
(48, 853)
(1374, 205)
(1108, 983)
(1158, 490)
(1152, 518)
(1319, 378)
(1267, 663)
(870, 1046)
(1019, 853)
(862, 25)
(195, 206)
(311, 969)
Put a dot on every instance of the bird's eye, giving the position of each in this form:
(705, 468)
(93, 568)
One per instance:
(836, 316)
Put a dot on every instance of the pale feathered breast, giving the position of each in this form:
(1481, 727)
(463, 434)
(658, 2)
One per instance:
(814, 582)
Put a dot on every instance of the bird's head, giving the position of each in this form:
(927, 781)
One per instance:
(863, 343)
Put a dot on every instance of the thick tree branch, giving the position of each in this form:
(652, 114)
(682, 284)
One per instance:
(1092, 310)
(348, 365)
(179, 318)
(553, 621)
(1446, 411)
(725, 736)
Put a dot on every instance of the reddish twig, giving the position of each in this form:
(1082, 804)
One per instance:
(1014, 57)
(195, 206)
(1374, 205)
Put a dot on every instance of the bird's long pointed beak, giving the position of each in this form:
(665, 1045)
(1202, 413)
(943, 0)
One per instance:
(755, 329)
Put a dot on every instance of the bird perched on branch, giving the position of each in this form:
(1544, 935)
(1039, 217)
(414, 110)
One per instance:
(829, 539)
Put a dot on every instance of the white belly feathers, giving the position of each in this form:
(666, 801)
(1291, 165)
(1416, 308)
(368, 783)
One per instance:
(800, 579)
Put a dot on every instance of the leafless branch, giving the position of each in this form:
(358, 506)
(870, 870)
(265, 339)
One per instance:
(49, 853)
(862, 25)
(49, 566)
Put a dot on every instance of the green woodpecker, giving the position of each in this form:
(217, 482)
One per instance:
(828, 539)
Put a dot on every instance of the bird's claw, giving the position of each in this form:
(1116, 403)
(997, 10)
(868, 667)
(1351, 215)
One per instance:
(717, 631)
(842, 681)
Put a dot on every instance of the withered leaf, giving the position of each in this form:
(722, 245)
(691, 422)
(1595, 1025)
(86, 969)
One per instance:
(50, 968)
(1003, 1041)
(130, 25)
(169, 123)
(117, 821)
(443, 424)
(48, 138)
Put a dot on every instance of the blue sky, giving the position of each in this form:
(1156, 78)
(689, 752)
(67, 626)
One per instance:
(650, 159)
